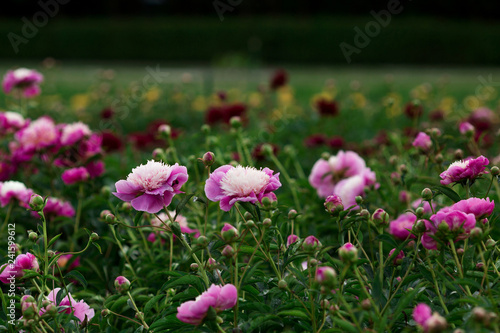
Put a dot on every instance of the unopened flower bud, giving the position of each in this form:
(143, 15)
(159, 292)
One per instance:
(51, 253)
(205, 129)
(490, 244)
(393, 160)
(33, 236)
(267, 203)
(122, 284)
(325, 156)
(333, 204)
(444, 227)
(479, 266)
(165, 130)
(459, 154)
(348, 253)
(358, 199)
(399, 257)
(211, 263)
(436, 323)
(292, 214)
(250, 224)
(420, 211)
(326, 276)
(311, 244)
(267, 222)
(228, 251)
(364, 213)
(334, 308)
(229, 233)
(36, 203)
(325, 304)
(427, 194)
(312, 262)
(495, 171)
(105, 191)
(94, 237)
(460, 251)
(380, 217)
(267, 149)
(366, 304)
(194, 266)
(208, 159)
(247, 216)
(158, 153)
(396, 178)
(439, 158)
(420, 226)
(110, 219)
(105, 312)
(202, 241)
(282, 284)
(479, 314)
(403, 169)
(126, 207)
(291, 239)
(235, 122)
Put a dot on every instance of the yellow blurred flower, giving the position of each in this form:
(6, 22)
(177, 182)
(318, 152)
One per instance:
(199, 104)
(285, 96)
(392, 103)
(79, 101)
(421, 92)
(178, 97)
(447, 104)
(153, 94)
(255, 99)
(358, 99)
(472, 102)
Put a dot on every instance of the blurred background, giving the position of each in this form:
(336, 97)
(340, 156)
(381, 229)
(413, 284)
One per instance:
(243, 33)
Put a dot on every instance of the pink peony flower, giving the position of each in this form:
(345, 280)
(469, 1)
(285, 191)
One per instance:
(56, 207)
(460, 171)
(333, 204)
(23, 79)
(152, 186)
(466, 127)
(80, 310)
(183, 223)
(481, 208)
(15, 271)
(458, 227)
(228, 185)
(11, 121)
(399, 257)
(219, 298)
(401, 227)
(72, 133)
(75, 175)
(345, 175)
(421, 313)
(422, 141)
(39, 134)
(95, 168)
(429, 322)
(14, 190)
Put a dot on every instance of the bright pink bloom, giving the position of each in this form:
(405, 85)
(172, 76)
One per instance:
(152, 186)
(80, 310)
(345, 175)
(219, 298)
(401, 227)
(481, 208)
(23, 261)
(95, 168)
(421, 313)
(41, 133)
(75, 175)
(422, 141)
(183, 223)
(291, 239)
(72, 133)
(466, 127)
(26, 80)
(11, 121)
(228, 185)
(14, 190)
(460, 171)
(57, 207)
(458, 223)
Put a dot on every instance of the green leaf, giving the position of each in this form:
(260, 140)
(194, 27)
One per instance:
(446, 191)
(265, 323)
(138, 217)
(97, 246)
(403, 302)
(180, 206)
(295, 313)
(346, 326)
(152, 302)
(250, 272)
(387, 239)
(186, 281)
(77, 276)
(52, 241)
(119, 303)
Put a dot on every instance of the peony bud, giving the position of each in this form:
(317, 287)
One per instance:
(282, 284)
(33, 236)
(228, 251)
(420, 211)
(398, 259)
(235, 122)
(267, 222)
(229, 233)
(436, 323)
(194, 266)
(490, 244)
(37, 203)
(122, 284)
(348, 253)
(366, 304)
(459, 154)
(202, 241)
(311, 244)
(333, 204)
(326, 276)
(94, 237)
(291, 239)
(208, 159)
(495, 171)
(380, 217)
(427, 194)
(292, 214)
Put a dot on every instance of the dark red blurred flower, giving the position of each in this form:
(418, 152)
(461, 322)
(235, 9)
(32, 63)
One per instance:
(336, 142)
(327, 108)
(214, 115)
(381, 138)
(413, 110)
(482, 119)
(107, 113)
(222, 95)
(155, 125)
(486, 139)
(235, 156)
(279, 79)
(259, 155)
(234, 110)
(315, 140)
(436, 115)
(410, 132)
(224, 113)
(143, 140)
(111, 142)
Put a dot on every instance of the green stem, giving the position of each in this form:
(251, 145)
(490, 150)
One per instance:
(311, 298)
(123, 251)
(367, 294)
(236, 285)
(78, 217)
(7, 217)
(489, 187)
(459, 267)
(436, 287)
(288, 179)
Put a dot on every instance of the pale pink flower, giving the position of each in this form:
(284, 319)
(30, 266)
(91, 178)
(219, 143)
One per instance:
(468, 169)
(219, 298)
(466, 127)
(16, 270)
(39, 134)
(72, 133)
(422, 141)
(421, 313)
(75, 175)
(344, 174)
(80, 310)
(402, 226)
(228, 184)
(14, 190)
(152, 186)
(23, 79)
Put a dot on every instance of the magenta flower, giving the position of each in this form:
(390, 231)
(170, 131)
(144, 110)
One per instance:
(152, 186)
(228, 185)
(12, 189)
(461, 171)
(458, 227)
(421, 313)
(75, 175)
(291, 239)
(56, 207)
(344, 175)
(481, 208)
(95, 168)
(401, 227)
(72, 133)
(219, 298)
(399, 257)
(429, 322)
(25, 80)
(422, 141)
(39, 134)
(15, 270)
(11, 121)
(80, 310)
